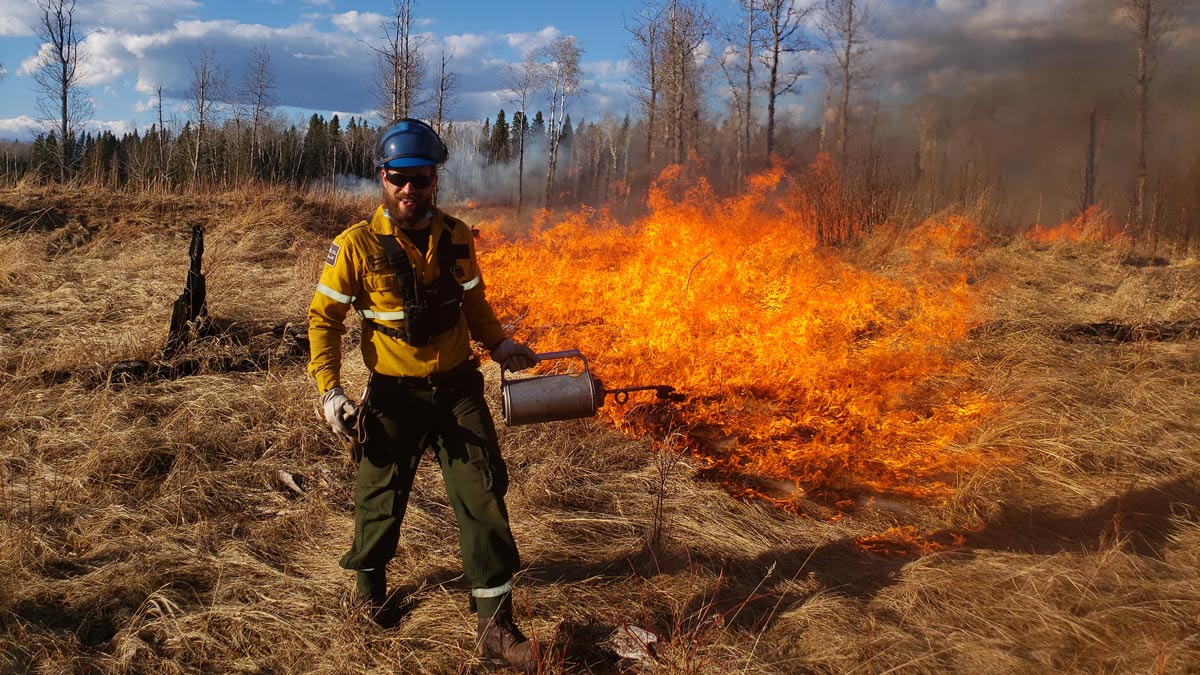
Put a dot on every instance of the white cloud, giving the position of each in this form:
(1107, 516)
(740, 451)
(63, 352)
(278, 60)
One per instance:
(526, 42)
(30, 64)
(119, 128)
(134, 15)
(106, 58)
(358, 23)
(320, 63)
(314, 57)
(17, 18)
(466, 44)
(604, 70)
(23, 127)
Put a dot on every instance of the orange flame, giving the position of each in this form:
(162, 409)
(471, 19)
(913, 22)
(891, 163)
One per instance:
(908, 541)
(801, 369)
(1094, 224)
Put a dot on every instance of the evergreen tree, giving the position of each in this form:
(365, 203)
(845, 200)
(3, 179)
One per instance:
(498, 147)
(179, 164)
(45, 154)
(485, 141)
(568, 132)
(538, 127)
(350, 146)
(335, 146)
(316, 148)
(520, 127)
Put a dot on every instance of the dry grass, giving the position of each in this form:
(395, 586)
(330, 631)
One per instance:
(144, 529)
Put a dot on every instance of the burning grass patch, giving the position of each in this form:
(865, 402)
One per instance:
(799, 365)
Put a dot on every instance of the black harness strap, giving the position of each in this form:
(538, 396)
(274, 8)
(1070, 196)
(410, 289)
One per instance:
(429, 309)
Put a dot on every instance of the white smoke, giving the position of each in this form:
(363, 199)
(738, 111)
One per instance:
(467, 176)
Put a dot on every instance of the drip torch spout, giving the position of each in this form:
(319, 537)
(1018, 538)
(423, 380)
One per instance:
(662, 391)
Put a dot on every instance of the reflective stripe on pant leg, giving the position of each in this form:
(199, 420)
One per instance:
(494, 592)
(476, 481)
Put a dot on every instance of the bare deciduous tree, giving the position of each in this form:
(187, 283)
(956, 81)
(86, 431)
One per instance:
(402, 63)
(1152, 21)
(782, 39)
(560, 61)
(844, 27)
(208, 83)
(524, 78)
(57, 77)
(739, 72)
(645, 52)
(686, 25)
(258, 90)
(163, 139)
(446, 95)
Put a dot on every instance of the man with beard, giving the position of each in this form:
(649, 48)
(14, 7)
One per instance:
(410, 272)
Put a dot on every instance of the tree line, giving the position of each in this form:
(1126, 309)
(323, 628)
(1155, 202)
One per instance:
(232, 131)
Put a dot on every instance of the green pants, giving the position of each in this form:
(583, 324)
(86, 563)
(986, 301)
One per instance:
(404, 416)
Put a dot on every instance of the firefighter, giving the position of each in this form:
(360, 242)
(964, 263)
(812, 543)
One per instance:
(410, 272)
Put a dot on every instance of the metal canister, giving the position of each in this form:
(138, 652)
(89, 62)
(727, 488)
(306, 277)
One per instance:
(550, 398)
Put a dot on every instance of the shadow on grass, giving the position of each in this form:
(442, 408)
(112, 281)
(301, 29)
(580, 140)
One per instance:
(748, 592)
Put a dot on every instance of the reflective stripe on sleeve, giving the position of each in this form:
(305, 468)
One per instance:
(330, 293)
(386, 316)
(472, 283)
(492, 592)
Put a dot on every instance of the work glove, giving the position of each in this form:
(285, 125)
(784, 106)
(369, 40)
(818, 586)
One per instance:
(339, 412)
(513, 356)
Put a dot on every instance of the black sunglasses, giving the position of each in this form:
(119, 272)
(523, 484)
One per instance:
(419, 181)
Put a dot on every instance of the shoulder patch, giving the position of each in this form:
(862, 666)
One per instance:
(331, 257)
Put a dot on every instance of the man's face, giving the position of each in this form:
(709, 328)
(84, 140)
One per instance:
(407, 203)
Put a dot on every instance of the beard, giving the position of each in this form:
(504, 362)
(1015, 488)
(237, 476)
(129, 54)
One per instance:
(408, 214)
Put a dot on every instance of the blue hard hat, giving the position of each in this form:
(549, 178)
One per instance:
(409, 142)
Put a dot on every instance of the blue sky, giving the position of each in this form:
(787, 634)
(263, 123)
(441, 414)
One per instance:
(316, 47)
(322, 64)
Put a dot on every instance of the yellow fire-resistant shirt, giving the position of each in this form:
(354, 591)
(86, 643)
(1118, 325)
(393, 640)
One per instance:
(357, 275)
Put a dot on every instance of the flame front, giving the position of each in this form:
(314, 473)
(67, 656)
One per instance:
(801, 369)
(1093, 224)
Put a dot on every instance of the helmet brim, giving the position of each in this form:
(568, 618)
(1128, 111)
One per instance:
(406, 162)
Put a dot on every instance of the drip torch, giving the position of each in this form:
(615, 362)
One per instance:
(564, 396)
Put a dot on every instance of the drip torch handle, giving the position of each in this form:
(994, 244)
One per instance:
(564, 354)
(550, 356)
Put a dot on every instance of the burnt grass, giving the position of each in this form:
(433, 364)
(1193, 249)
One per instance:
(144, 526)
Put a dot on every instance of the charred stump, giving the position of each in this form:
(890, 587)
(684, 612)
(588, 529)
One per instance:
(199, 343)
(190, 311)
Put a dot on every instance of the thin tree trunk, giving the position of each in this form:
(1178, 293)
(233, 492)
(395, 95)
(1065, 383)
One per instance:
(1089, 175)
(844, 111)
(1143, 104)
(744, 145)
(521, 167)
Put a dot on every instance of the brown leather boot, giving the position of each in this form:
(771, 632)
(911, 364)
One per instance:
(499, 639)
